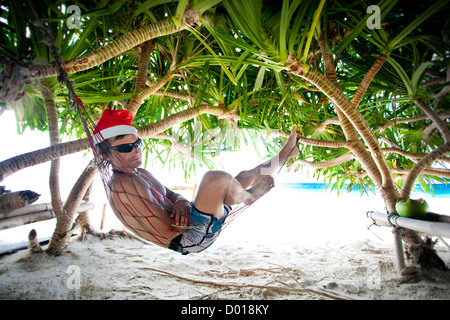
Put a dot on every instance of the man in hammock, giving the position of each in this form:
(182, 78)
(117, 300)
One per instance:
(156, 213)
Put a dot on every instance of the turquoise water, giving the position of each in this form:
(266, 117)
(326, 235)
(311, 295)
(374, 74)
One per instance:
(440, 190)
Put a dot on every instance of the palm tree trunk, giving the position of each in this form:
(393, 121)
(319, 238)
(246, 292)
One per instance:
(53, 128)
(135, 102)
(17, 163)
(413, 242)
(441, 115)
(438, 121)
(190, 98)
(65, 224)
(341, 102)
(168, 122)
(364, 85)
(424, 163)
(64, 215)
(325, 143)
(118, 46)
(330, 69)
(325, 164)
(411, 155)
(362, 155)
(83, 217)
(144, 58)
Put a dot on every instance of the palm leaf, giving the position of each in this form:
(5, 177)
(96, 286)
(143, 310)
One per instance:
(216, 57)
(401, 72)
(312, 30)
(396, 42)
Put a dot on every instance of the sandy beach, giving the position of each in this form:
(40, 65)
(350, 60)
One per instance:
(292, 252)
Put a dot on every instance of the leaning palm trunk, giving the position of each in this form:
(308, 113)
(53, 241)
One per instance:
(341, 102)
(52, 119)
(427, 160)
(83, 217)
(325, 164)
(359, 150)
(65, 223)
(424, 163)
(349, 115)
(120, 45)
(417, 251)
(12, 165)
(17, 163)
(144, 58)
(364, 85)
(136, 101)
(168, 122)
(62, 218)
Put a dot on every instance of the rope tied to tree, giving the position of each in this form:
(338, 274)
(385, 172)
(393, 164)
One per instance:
(145, 223)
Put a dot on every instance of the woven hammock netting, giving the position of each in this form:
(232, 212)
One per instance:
(136, 208)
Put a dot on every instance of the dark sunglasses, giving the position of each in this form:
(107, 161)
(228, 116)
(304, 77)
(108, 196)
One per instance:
(128, 147)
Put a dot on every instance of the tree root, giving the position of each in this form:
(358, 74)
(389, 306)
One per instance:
(274, 288)
(425, 264)
(33, 242)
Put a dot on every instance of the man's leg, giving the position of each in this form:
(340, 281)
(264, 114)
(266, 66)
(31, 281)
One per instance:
(219, 188)
(248, 178)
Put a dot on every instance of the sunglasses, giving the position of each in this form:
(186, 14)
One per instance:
(128, 147)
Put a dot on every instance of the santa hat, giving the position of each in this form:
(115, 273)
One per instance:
(113, 123)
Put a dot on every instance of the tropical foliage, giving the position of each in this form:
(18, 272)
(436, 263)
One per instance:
(365, 83)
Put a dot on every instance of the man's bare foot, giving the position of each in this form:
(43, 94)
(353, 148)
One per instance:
(260, 188)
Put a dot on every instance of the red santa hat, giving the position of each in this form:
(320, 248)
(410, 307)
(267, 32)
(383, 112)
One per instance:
(113, 123)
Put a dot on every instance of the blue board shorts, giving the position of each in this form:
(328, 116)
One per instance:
(202, 231)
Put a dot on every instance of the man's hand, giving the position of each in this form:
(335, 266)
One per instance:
(180, 213)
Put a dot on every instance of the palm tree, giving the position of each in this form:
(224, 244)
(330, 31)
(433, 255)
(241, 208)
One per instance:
(358, 95)
(307, 62)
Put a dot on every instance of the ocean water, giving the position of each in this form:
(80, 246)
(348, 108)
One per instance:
(291, 214)
(311, 214)
(439, 190)
(306, 213)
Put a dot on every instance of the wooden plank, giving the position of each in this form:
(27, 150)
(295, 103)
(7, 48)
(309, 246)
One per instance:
(39, 208)
(23, 219)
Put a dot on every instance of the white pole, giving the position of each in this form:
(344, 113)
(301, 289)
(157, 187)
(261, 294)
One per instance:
(398, 250)
(440, 229)
(433, 228)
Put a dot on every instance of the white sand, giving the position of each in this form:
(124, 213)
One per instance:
(269, 252)
(127, 269)
(281, 247)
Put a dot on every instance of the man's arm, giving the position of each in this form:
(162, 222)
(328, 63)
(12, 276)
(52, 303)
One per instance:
(173, 196)
(179, 214)
(181, 208)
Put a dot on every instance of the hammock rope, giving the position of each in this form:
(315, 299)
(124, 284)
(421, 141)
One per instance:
(143, 223)
(138, 209)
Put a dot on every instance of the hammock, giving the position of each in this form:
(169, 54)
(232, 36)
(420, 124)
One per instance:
(137, 212)
(143, 223)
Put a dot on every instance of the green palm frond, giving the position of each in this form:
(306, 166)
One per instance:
(237, 58)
